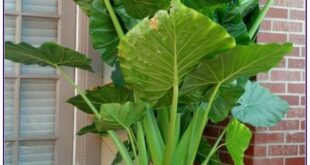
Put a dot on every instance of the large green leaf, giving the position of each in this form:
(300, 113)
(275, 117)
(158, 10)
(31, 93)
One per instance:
(125, 114)
(103, 33)
(227, 98)
(157, 53)
(85, 5)
(231, 14)
(204, 150)
(259, 107)
(237, 62)
(237, 138)
(100, 95)
(144, 8)
(49, 53)
(127, 19)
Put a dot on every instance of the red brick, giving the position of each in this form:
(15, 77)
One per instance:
(283, 75)
(295, 161)
(263, 76)
(256, 151)
(269, 161)
(296, 113)
(303, 52)
(261, 138)
(302, 125)
(277, 13)
(301, 150)
(296, 88)
(297, 14)
(275, 87)
(302, 100)
(295, 137)
(286, 125)
(289, 3)
(297, 39)
(266, 25)
(211, 131)
(296, 52)
(285, 26)
(282, 150)
(296, 63)
(271, 37)
(292, 100)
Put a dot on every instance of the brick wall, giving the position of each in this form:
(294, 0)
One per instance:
(283, 144)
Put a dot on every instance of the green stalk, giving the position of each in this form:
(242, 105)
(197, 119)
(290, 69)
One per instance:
(133, 146)
(191, 138)
(78, 89)
(117, 141)
(260, 18)
(201, 125)
(214, 148)
(170, 147)
(142, 160)
(122, 149)
(153, 138)
(115, 21)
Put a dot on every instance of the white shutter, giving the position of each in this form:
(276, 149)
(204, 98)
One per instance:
(37, 107)
(36, 153)
(35, 95)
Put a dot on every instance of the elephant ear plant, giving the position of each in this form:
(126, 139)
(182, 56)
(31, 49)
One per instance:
(178, 65)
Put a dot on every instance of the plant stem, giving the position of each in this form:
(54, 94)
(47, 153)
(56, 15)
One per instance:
(115, 21)
(198, 126)
(214, 148)
(130, 134)
(78, 89)
(141, 145)
(119, 144)
(153, 137)
(172, 127)
(260, 18)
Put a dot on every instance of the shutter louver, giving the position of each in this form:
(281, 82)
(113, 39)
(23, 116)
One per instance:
(36, 153)
(36, 31)
(37, 111)
(40, 6)
(9, 108)
(9, 35)
(9, 6)
(8, 153)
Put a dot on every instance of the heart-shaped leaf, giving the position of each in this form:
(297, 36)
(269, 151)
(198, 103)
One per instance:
(144, 8)
(234, 63)
(103, 33)
(157, 53)
(127, 19)
(125, 114)
(49, 53)
(259, 107)
(226, 100)
(101, 95)
(237, 138)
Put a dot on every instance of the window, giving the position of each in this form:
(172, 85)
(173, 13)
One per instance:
(38, 122)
